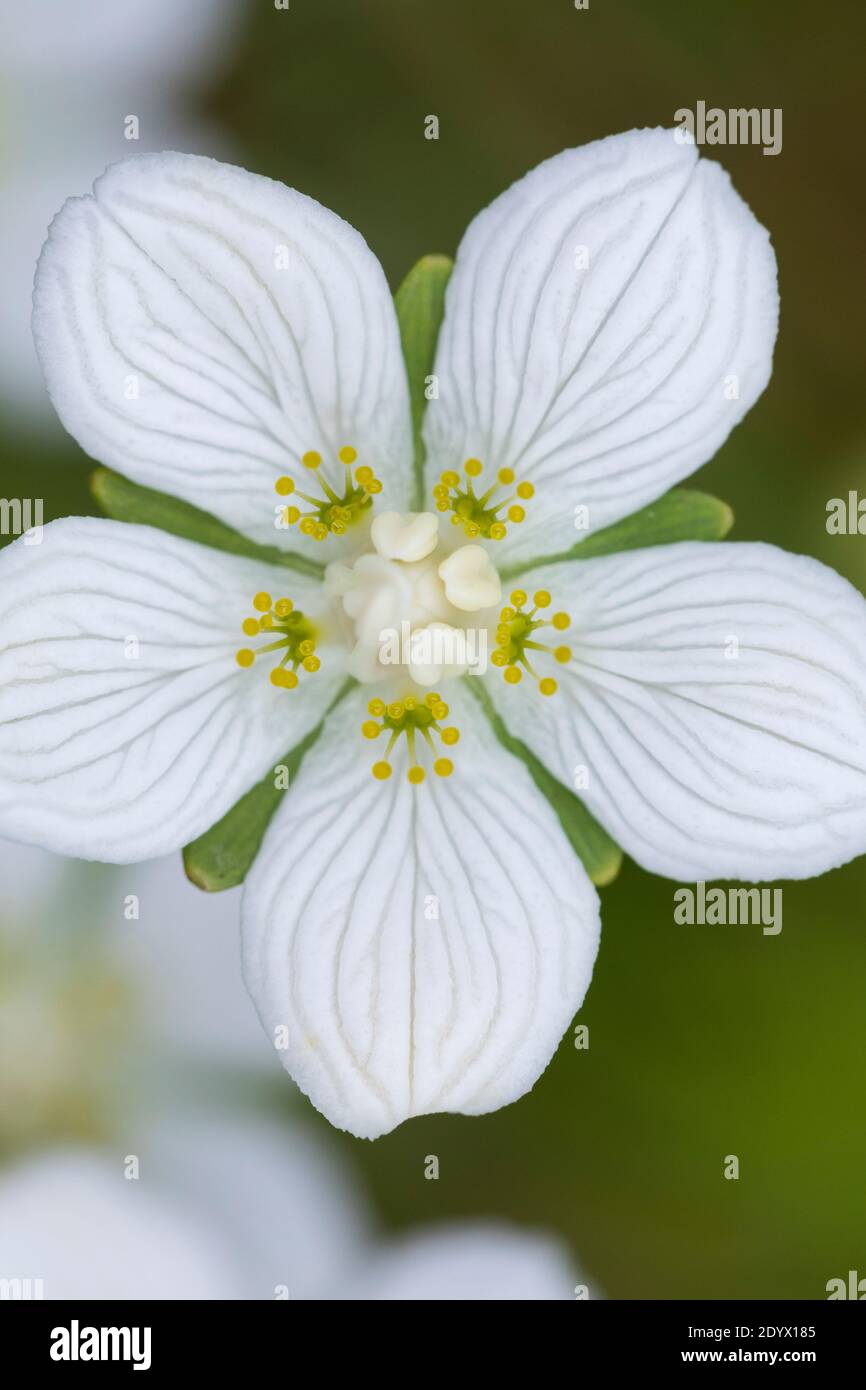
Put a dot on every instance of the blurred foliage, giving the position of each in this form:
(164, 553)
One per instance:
(704, 1041)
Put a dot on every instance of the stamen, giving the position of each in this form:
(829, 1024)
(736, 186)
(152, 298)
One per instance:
(480, 515)
(410, 718)
(294, 636)
(514, 638)
(331, 512)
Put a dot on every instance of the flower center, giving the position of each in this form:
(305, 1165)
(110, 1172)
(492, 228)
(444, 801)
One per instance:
(480, 515)
(409, 602)
(293, 634)
(515, 637)
(411, 717)
(331, 512)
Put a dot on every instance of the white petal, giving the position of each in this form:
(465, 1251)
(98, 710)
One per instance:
(717, 699)
(606, 385)
(178, 351)
(484, 1261)
(117, 751)
(391, 1009)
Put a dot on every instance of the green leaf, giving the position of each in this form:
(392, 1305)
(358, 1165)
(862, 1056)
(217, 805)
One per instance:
(600, 855)
(222, 857)
(681, 515)
(420, 304)
(123, 500)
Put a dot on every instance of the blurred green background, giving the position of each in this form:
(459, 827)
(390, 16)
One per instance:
(704, 1041)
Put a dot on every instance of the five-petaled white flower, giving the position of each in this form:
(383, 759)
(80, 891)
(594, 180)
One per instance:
(421, 938)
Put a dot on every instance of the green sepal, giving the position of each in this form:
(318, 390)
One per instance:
(420, 305)
(123, 500)
(681, 515)
(222, 857)
(600, 855)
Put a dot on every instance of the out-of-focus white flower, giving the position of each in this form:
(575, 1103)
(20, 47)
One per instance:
(71, 74)
(245, 1212)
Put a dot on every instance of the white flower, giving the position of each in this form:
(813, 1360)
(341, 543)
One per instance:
(421, 941)
(223, 1211)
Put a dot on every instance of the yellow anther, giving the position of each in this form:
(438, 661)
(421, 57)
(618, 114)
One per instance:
(291, 515)
(289, 633)
(525, 491)
(450, 479)
(563, 654)
(499, 658)
(516, 514)
(547, 686)
(561, 621)
(473, 467)
(364, 476)
(541, 598)
(375, 487)
(518, 598)
(506, 476)
(311, 459)
(347, 454)
(513, 675)
(284, 486)
(498, 531)
(418, 720)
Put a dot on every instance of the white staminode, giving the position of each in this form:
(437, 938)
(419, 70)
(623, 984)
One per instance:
(405, 536)
(470, 579)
